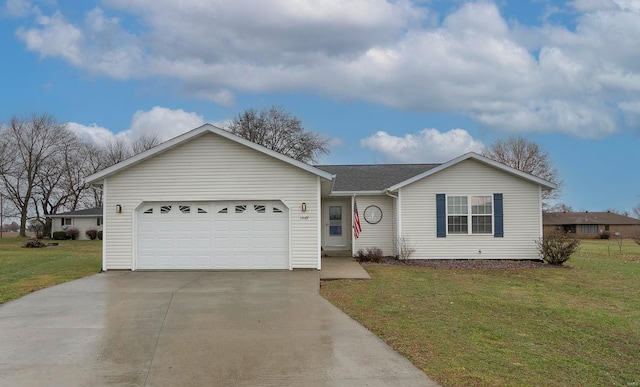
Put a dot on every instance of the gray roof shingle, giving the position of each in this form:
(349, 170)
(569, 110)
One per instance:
(86, 212)
(563, 218)
(374, 177)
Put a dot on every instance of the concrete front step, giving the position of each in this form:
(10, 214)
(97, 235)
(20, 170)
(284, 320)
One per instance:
(342, 268)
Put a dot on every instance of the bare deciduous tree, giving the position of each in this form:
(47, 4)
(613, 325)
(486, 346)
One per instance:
(560, 207)
(280, 131)
(60, 184)
(122, 148)
(526, 156)
(29, 144)
(115, 151)
(144, 142)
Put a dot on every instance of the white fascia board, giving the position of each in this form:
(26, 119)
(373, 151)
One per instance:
(96, 177)
(355, 193)
(472, 155)
(73, 216)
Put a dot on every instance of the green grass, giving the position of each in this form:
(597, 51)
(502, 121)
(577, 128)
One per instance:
(578, 325)
(23, 270)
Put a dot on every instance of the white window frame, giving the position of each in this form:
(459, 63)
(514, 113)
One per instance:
(470, 215)
(99, 221)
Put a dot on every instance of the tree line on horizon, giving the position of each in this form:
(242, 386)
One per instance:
(43, 164)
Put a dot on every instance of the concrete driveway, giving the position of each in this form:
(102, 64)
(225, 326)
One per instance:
(192, 329)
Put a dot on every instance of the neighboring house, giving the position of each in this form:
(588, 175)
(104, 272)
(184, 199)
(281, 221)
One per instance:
(210, 200)
(591, 224)
(83, 220)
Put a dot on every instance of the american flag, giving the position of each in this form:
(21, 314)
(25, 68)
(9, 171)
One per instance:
(357, 227)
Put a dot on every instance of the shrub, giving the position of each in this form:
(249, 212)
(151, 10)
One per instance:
(72, 233)
(372, 254)
(556, 248)
(38, 228)
(100, 234)
(60, 235)
(404, 248)
(91, 234)
(605, 235)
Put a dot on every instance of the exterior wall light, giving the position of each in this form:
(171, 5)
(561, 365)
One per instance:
(304, 207)
(118, 208)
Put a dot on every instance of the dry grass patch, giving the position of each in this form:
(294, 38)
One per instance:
(535, 327)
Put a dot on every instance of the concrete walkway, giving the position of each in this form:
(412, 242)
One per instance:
(342, 268)
(192, 329)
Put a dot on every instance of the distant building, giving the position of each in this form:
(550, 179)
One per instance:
(591, 224)
(83, 220)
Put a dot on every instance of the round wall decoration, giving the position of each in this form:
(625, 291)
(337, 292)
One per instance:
(372, 214)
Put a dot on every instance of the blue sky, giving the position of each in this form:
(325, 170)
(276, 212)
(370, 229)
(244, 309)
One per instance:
(385, 81)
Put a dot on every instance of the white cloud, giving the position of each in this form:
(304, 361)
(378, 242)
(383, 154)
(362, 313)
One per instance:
(55, 38)
(19, 8)
(163, 122)
(100, 45)
(593, 5)
(92, 133)
(546, 78)
(607, 5)
(428, 145)
(631, 112)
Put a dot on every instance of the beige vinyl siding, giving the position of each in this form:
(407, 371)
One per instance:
(522, 219)
(211, 168)
(378, 235)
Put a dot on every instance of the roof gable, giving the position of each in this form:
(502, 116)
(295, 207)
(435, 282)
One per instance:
(206, 128)
(474, 156)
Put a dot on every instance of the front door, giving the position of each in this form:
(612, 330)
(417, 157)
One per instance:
(336, 231)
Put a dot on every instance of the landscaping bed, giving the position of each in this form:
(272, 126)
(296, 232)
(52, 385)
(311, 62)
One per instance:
(486, 264)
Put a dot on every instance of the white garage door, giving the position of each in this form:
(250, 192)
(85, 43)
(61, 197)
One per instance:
(213, 235)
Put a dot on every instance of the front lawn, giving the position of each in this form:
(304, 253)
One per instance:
(23, 270)
(578, 325)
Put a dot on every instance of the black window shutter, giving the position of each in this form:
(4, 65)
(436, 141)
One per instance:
(441, 216)
(498, 218)
(62, 220)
